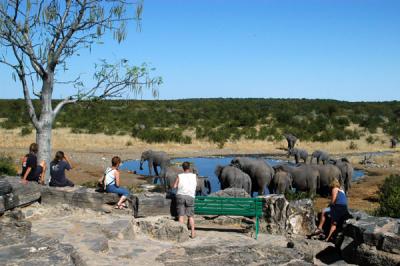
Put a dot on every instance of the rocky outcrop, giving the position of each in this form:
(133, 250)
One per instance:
(18, 246)
(245, 251)
(282, 217)
(161, 228)
(150, 204)
(369, 240)
(16, 194)
(82, 197)
(231, 193)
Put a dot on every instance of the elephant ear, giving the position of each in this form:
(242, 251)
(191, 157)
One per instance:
(218, 170)
(344, 159)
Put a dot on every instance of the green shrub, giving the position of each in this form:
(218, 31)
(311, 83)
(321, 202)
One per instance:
(370, 140)
(7, 166)
(291, 196)
(389, 197)
(352, 146)
(26, 131)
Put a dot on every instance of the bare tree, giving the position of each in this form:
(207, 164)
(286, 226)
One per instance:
(38, 37)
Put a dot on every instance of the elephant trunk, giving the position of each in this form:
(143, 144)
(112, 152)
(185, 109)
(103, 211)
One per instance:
(141, 164)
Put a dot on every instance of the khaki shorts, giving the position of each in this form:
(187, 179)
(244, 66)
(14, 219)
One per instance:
(184, 205)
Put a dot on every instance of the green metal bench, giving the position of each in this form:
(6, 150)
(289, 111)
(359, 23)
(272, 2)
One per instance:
(250, 207)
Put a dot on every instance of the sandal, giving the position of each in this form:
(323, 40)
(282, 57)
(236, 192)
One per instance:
(118, 207)
(317, 232)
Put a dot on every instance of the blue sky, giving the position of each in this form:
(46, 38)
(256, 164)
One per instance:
(336, 49)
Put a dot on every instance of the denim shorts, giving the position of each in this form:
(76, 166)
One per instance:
(117, 190)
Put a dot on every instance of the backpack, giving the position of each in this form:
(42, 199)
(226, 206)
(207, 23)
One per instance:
(101, 184)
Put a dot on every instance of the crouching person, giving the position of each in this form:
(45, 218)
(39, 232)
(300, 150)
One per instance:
(112, 183)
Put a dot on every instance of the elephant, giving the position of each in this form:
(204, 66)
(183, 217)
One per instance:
(393, 142)
(346, 170)
(321, 156)
(291, 140)
(230, 176)
(203, 186)
(298, 154)
(260, 172)
(304, 176)
(327, 173)
(281, 183)
(154, 159)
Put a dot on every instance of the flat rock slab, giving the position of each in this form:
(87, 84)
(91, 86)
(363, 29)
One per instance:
(150, 204)
(19, 194)
(81, 197)
(18, 246)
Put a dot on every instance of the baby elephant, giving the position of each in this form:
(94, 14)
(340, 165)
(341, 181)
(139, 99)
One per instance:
(298, 154)
(282, 182)
(321, 156)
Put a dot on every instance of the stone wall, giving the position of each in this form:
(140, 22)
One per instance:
(369, 240)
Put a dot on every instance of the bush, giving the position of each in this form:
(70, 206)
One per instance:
(291, 196)
(7, 166)
(353, 146)
(26, 131)
(389, 197)
(370, 140)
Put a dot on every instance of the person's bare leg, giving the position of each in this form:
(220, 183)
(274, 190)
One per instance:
(333, 229)
(121, 200)
(42, 175)
(322, 221)
(191, 222)
(180, 219)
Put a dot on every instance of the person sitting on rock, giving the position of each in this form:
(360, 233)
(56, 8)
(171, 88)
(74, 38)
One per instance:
(57, 171)
(31, 171)
(112, 182)
(337, 209)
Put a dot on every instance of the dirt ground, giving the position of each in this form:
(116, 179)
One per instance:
(90, 154)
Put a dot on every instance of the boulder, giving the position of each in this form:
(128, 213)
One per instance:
(81, 197)
(161, 228)
(301, 217)
(282, 217)
(150, 204)
(19, 194)
(370, 240)
(231, 193)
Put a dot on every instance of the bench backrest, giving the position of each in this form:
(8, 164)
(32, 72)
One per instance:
(228, 206)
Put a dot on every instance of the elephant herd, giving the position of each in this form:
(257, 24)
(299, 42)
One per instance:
(280, 179)
(256, 175)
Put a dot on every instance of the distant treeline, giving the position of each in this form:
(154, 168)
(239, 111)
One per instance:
(218, 120)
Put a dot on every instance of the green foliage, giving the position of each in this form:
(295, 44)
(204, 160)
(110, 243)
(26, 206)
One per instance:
(389, 197)
(26, 131)
(352, 146)
(7, 166)
(292, 196)
(218, 120)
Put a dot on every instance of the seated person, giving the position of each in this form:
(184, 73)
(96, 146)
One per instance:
(31, 171)
(112, 182)
(57, 171)
(337, 209)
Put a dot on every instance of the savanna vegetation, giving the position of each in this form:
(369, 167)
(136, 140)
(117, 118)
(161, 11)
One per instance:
(218, 120)
(389, 197)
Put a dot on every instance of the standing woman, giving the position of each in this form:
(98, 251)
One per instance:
(112, 182)
(58, 166)
(338, 207)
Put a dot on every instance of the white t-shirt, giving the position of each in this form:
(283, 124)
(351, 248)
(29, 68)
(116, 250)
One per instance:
(187, 184)
(110, 176)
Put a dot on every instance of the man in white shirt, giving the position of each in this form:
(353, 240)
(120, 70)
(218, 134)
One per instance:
(186, 190)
